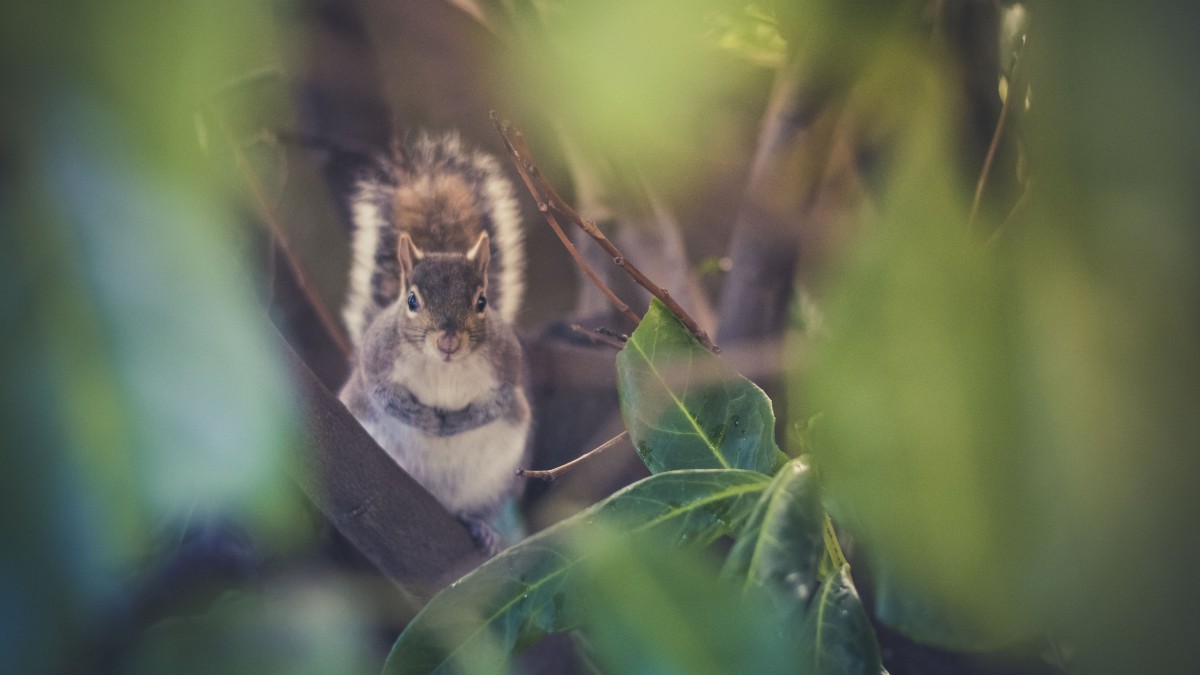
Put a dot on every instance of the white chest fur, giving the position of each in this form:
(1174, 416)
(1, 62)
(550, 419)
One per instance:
(469, 473)
(446, 385)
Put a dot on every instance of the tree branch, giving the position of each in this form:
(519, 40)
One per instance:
(379, 508)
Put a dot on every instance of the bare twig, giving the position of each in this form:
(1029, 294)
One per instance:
(551, 474)
(549, 202)
(270, 218)
(619, 337)
(601, 336)
(1016, 92)
(526, 170)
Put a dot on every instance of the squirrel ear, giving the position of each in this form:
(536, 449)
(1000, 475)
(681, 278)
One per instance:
(407, 252)
(480, 253)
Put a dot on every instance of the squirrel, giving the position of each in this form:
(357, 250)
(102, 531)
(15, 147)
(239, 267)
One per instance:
(435, 286)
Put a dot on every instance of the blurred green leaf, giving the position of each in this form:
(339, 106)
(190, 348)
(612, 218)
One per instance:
(749, 32)
(780, 547)
(633, 80)
(836, 637)
(685, 409)
(300, 628)
(918, 615)
(1010, 427)
(919, 444)
(649, 609)
(532, 588)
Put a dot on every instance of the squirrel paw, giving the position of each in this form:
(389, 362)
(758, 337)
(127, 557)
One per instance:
(486, 539)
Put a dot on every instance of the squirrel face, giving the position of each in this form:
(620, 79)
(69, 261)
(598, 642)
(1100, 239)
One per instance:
(444, 299)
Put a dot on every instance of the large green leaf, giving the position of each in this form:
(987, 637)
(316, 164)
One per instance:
(655, 610)
(685, 409)
(529, 590)
(780, 548)
(836, 637)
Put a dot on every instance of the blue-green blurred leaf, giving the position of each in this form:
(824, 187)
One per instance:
(685, 409)
(293, 629)
(531, 589)
(140, 388)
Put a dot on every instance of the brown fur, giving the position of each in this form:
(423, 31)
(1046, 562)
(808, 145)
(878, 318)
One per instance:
(440, 212)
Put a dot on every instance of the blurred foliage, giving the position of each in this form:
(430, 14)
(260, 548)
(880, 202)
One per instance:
(1010, 427)
(142, 394)
(1008, 415)
(302, 628)
(628, 81)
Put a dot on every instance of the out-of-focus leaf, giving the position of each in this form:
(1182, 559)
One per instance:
(749, 33)
(685, 409)
(780, 547)
(294, 629)
(191, 384)
(653, 610)
(1010, 427)
(906, 608)
(836, 637)
(530, 589)
(919, 445)
(140, 389)
(599, 62)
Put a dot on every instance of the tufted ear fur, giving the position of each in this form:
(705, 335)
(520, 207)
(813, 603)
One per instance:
(408, 254)
(480, 254)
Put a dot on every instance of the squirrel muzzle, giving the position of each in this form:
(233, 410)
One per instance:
(449, 343)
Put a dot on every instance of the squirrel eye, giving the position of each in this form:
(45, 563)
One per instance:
(412, 302)
(481, 303)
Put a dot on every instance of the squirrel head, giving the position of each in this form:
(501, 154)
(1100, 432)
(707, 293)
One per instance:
(444, 298)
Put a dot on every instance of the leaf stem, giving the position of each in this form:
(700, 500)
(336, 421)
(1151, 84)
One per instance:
(833, 559)
(1016, 92)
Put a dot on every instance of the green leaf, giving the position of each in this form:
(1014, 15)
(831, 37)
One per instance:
(836, 637)
(685, 409)
(781, 546)
(654, 610)
(530, 589)
(920, 615)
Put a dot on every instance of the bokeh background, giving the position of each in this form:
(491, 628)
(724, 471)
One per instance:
(1000, 390)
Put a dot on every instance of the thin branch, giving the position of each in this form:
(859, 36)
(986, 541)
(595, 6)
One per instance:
(549, 202)
(551, 474)
(270, 218)
(525, 169)
(601, 336)
(1016, 92)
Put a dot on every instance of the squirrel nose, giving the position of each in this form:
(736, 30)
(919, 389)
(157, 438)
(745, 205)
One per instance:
(449, 343)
